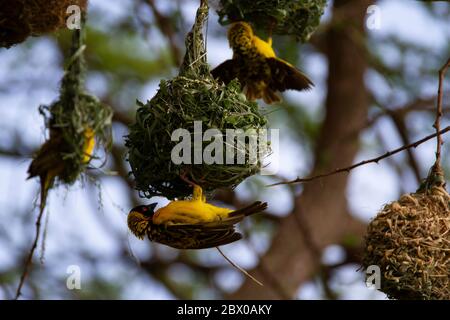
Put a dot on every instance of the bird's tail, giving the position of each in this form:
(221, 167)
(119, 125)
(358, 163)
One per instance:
(255, 207)
(46, 183)
(252, 92)
(270, 96)
(260, 90)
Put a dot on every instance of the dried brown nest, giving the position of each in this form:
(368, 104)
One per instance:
(410, 241)
(20, 19)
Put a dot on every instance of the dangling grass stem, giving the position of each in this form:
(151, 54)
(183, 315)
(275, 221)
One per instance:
(239, 268)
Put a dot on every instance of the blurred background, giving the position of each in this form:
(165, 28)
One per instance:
(375, 90)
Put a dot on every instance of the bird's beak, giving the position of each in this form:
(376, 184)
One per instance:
(151, 207)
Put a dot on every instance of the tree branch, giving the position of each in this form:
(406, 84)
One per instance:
(437, 123)
(373, 160)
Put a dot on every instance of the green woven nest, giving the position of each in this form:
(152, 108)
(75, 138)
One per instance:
(410, 241)
(191, 96)
(70, 118)
(178, 104)
(285, 17)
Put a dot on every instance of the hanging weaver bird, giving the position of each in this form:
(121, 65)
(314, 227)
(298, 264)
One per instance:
(257, 67)
(189, 224)
(49, 162)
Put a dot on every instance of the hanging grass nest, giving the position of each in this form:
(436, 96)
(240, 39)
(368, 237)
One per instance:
(20, 19)
(410, 241)
(285, 17)
(72, 133)
(76, 122)
(191, 96)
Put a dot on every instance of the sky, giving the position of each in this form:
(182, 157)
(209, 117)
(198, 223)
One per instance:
(74, 221)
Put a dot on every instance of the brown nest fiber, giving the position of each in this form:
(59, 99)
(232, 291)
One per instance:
(20, 19)
(410, 241)
(191, 96)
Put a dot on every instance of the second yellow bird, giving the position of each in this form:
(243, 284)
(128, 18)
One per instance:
(257, 67)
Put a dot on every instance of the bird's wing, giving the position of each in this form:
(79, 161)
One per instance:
(284, 76)
(226, 71)
(47, 158)
(196, 236)
(255, 207)
(204, 235)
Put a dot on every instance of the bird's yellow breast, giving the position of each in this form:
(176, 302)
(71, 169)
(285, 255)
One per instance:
(89, 145)
(189, 211)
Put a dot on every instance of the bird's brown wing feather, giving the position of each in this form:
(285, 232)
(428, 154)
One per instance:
(196, 236)
(226, 71)
(47, 158)
(284, 76)
(255, 207)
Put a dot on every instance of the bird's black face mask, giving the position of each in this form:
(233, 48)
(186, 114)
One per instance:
(148, 210)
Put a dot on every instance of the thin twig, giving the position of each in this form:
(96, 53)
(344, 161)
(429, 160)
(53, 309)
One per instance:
(437, 123)
(272, 278)
(31, 253)
(239, 268)
(400, 125)
(419, 105)
(267, 274)
(373, 160)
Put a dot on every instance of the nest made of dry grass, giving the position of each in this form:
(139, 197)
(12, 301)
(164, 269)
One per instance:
(410, 241)
(20, 19)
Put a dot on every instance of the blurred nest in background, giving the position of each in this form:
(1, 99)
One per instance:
(410, 241)
(284, 17)
(20, 19)
(178, 103)
(74, 123)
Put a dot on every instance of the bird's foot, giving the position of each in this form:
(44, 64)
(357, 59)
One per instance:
(197, 193)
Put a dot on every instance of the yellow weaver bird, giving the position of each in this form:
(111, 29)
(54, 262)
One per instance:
(189, 224)
(257, 67)
(49, 163)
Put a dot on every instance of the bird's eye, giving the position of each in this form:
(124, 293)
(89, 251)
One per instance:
(144, 209)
